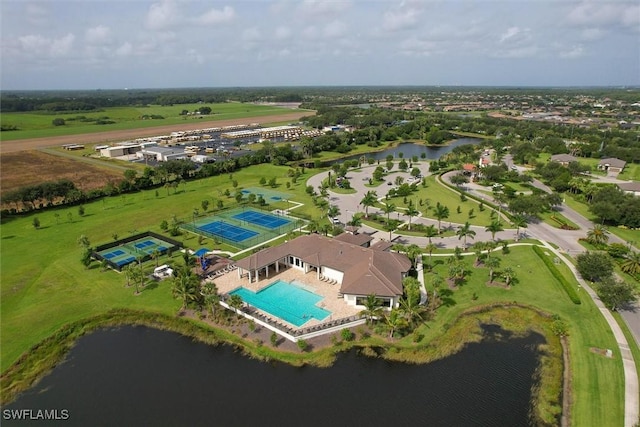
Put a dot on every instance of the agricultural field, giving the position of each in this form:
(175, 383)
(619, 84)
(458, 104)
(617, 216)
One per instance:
(40, 124)
(20, 169)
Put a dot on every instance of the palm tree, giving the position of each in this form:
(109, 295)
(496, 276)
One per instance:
(156, 255)
(235, 302)
(128, 274)
(372, 308)
(489, 247)
(478, 248)
(185, 287)
(430, 231)
(394, 321)
(440, 212)
(493, 228)
(456, 271)
(356, 220)
(430, 248)
(465, 231)
(631, 264)
(369, 199)
(333, 211)
(411, 212)
(492, 264)
(598, 235)
(520, 221)
(509, 274)
(414, 252)
(209, 292)
(388, 208)
(390, 226)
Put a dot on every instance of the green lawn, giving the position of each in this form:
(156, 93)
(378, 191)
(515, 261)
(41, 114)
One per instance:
(435, 192)
(44, 284)
(38, 124)
(582, 208)
(598, 383)
(631, 171)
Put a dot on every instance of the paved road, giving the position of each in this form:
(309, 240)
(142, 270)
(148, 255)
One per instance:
(565, 239)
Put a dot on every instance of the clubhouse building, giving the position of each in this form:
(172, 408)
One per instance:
(349, 262)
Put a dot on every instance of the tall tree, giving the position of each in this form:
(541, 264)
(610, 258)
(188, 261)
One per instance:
(493, 228)
(411, 212)
(519, 221)
(598, 235)
(492, 264)
(372, 308)
(631, 264)
(185, 287)
(430, 231)
(429, 249)
(465, 231)
(369, 199)
(395, 321)
(388, 208)
(440, 212)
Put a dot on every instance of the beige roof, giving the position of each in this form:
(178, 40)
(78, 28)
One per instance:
(563, 158)
(365, 270)
(381, 245)
(630, 186)
(612, 162)
(356, 239)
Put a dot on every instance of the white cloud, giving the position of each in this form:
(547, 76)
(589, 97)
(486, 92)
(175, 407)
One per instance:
(417, 47)
(98, 35)
(35, 45)
(510, 33)
(334, 29)
(282, 33)
(590, 13)
(62, 46)
(402, 19)
(215, 16)
(322, 8)
(36, 14)
(590, 34)
(126, 49)
(251, 35)
(574, 52)
(162, 15)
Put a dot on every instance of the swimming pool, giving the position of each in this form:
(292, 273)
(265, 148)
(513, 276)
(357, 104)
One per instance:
(285, 300)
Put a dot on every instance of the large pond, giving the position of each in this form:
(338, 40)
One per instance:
(142, 376)
(410, 149)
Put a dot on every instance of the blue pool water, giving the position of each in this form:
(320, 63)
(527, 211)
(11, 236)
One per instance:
(286, 301)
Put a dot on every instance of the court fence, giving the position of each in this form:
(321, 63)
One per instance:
(264, 233)
(174, 245)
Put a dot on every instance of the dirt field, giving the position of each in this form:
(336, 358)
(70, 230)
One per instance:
(123, 135)
(20, 169)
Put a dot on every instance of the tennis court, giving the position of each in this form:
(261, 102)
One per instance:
(128, 252)
(227, 231)
(262, 219)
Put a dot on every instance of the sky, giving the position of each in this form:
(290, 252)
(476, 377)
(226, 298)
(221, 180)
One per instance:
(112, 44)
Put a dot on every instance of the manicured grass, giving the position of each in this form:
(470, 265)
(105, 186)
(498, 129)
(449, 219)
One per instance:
(597, 382)
(582, 208)
(547, 217)
(631, 171)
(38, 124)
(435, 192)
(44, 285)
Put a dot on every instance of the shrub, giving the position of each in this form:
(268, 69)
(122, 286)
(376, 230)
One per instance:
(568, 287)
(594, 266)
(346, 335)
(302, 345)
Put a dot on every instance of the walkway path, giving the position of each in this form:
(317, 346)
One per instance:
(567, 240)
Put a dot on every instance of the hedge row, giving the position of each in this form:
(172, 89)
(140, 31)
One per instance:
(474, 197)
(568, 287)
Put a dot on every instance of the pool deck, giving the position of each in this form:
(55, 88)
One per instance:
(331, 302)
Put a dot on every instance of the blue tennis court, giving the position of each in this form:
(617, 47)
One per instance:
(228, 231)
(262, 219)
(126, 253)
